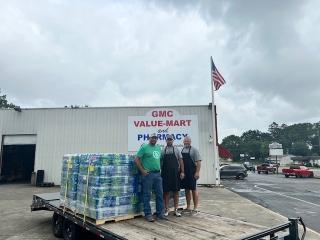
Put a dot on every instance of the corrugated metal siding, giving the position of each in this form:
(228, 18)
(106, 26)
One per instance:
(65, 130)
(19, 139)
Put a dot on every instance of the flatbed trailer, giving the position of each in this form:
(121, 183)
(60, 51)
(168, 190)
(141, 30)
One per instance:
(69, 226)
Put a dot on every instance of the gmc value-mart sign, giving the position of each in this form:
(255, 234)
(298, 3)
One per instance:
(162, 121)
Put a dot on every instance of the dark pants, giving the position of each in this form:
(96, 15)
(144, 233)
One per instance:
(152, 181)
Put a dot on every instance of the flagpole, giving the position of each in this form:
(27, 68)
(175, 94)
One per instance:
(216, 164)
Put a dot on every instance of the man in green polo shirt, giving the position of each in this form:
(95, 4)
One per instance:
(148, 163)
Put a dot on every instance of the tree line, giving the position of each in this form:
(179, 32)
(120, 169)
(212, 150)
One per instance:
(4, 104)
(300, 139)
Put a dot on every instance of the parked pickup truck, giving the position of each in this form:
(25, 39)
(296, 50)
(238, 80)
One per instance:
(297, 171)
(266, 168)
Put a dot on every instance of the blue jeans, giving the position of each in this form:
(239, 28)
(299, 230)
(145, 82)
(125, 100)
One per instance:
(152, 181)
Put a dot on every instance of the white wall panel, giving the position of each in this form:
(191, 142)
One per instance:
(64, 130)
(19, 139)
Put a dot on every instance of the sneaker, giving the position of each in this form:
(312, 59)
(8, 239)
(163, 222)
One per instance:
(187, 210)
(162, 217)
(149, 218)
(194, 211)
(166, 213)
(177, 213)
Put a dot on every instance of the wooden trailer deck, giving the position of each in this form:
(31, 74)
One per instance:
(189, 226)
(199, 226)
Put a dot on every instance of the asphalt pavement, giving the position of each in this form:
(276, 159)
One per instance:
(290, 197)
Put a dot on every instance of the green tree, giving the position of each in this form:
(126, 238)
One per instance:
(256, 143)
(264, 150)
(251, 135)
(299, 139)
(275, 131)
(4, 104)
(300, 149)
(252, 149)
(301, 132)
(233, 144)
(315, 139)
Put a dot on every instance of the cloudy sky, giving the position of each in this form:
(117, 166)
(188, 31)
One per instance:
(152, 53)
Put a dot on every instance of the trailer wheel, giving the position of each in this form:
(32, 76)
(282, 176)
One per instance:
(57, 225)
(267, 172)
(258, 172)
(286, 175)
(70, 230)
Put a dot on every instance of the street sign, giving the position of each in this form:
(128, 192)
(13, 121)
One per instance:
(275, 145)
(275, 149)
(276, 152)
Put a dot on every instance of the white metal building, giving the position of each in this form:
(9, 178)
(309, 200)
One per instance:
(35, 139)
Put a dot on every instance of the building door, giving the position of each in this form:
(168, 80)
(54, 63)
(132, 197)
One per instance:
(17, 157)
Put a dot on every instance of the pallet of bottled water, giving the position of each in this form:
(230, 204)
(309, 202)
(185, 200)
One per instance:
(101, 186)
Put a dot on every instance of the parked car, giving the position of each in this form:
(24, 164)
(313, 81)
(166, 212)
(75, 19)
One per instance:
(273, 162)
(266, 168)
(233, 171)
(297, 171)
(224, 164)
(249, 166)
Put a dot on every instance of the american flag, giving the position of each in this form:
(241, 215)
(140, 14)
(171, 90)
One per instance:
(216, 77)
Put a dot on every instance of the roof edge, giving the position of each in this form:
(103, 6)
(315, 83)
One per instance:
(54, 108)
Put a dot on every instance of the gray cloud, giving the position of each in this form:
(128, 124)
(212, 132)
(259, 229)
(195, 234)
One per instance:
(56, 53)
